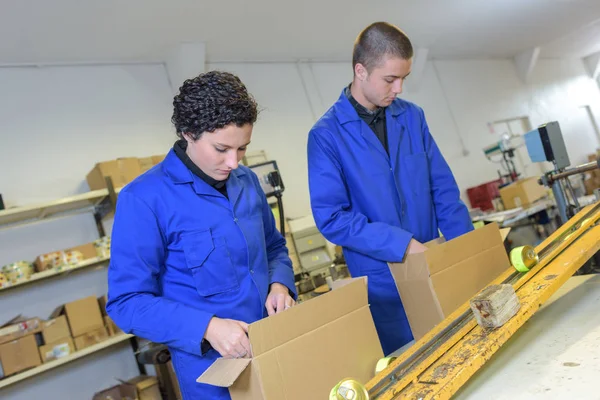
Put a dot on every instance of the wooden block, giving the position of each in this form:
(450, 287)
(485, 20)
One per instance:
(495, 305)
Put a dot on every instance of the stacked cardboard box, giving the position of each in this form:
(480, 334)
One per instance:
(592, 180)
(85, 321)
(121, 171)
(140, 388)
(19, 339)
(57, 339)
(522, 193)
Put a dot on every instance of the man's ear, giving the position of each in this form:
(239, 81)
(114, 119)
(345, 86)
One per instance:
(361, 72)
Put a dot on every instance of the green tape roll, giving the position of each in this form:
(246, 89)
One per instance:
(383, 363)
(523, 258)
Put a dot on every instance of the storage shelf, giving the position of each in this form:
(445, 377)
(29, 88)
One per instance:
(52, 273)
(53, 209)
(65, 360)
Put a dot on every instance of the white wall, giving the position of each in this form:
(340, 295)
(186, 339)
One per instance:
(56, 122)
(460, 98)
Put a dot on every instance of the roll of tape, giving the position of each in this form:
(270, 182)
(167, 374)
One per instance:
(383, 364)
(349, 389)
(523, 258)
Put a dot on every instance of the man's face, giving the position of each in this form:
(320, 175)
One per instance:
(218, 153)
(381, 86)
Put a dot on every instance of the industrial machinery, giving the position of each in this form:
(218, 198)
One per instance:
(546, 143)
(505, 148)
(438, 364)
(272, 184)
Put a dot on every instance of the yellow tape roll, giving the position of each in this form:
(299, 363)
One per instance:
(383, 363)
(349, 389)
(523, 258)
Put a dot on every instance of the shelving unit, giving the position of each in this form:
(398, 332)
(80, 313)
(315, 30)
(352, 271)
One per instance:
(53, 273)
(65, 360)
(97, 202)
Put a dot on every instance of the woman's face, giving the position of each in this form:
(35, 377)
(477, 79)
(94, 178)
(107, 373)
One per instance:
(218, 153)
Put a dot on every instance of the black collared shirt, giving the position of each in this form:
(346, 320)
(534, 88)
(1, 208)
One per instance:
(179, 147)
(375, 119)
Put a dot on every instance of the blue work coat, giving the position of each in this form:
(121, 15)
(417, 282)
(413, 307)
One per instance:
(372, 204)
(182, 253)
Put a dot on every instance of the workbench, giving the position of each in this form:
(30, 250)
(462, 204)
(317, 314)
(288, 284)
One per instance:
(556, 354)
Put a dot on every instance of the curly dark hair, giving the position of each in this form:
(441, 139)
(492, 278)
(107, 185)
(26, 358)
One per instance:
(211, 101)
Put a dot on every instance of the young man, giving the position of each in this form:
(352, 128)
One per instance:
(195, 255)
(379, 185)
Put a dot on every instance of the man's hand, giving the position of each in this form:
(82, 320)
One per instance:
(415, 247)
(229, 337)
(279, 299)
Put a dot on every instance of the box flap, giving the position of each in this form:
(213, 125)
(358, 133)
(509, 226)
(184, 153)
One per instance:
(421, 305)
(224, 371)
(504, 233)
(468, 245)
(278, 329)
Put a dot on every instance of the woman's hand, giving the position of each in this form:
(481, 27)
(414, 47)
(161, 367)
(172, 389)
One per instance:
(279, 299)
(229, 337)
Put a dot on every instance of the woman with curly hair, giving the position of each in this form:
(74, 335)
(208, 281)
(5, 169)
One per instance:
(195, 255)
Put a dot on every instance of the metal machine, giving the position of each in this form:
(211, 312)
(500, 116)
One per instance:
(505, 148)
(546, 143)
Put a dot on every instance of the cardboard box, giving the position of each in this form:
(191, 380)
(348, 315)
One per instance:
(435, 283)
(121, 171)
(83, 315)
(158, 159)
(55, 329)
(19, 327)
(57, 349)
(146, 163)
(120, 392)
(102, 304)
(146, 387)
(522, 193)
(19, 355)
(305, 351)
(91, 338)
(88, 250)
(111, 327)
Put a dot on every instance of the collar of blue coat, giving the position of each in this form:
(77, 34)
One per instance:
(346, 113)
(179, 174)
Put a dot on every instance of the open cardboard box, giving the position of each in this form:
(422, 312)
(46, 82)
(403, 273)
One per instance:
(435, 283)
(305, 351)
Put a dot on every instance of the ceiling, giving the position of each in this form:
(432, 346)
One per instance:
(75, 31)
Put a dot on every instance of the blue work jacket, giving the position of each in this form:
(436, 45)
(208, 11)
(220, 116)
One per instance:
(372, 204)
(182, 253)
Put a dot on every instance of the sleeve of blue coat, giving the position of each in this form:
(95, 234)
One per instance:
(280, 265)
(332, 212)
(134, 300)
(452, 214)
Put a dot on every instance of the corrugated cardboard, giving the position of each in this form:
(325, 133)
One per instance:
(57, 349)
(19, 355)
(83, 315)
(111, 327)
(120, 392)
(88, 250)
(102, 303)
(19, 327)
(305, 351)
(146, 163)
(91, 338)
(146, 387)
(435, 283)
(55, 329)
(158, 158)
(121, 171)
(522, 193)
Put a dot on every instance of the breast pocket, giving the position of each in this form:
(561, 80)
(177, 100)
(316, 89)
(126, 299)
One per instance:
(208, 259)
(417, 168)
